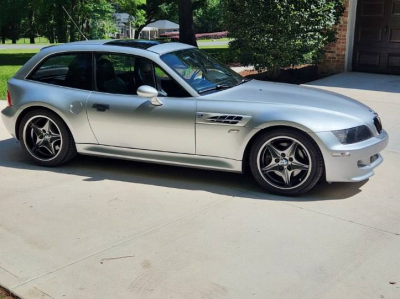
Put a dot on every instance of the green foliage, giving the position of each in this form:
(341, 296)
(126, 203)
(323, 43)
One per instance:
(99, 14)
(271, 34)
(30, 18)
(11, 15)
(224, 55)
(208, 17)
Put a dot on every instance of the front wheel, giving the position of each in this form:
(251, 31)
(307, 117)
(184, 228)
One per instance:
(46, 138)
(286, 162)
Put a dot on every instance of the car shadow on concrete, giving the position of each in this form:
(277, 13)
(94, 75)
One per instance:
(93, 169)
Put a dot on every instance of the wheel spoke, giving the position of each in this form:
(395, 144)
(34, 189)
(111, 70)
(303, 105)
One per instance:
(37, 146)
(291, 150)
(54, 138)
(49, 147)
(46, 126)
(275, 153)
(273, 166)
(286, 174)
(296, 165)
(36, 129)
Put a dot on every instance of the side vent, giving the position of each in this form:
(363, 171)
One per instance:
(222, 119)
(226, 119)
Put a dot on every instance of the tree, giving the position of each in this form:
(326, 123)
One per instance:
(186, 25)
(272, 34)
(11, 15)
(208, 16)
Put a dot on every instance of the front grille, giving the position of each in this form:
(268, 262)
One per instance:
(378, 124)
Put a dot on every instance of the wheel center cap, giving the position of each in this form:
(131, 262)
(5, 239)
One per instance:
(283, 162)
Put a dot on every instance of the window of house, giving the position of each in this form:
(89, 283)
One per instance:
(69, 70)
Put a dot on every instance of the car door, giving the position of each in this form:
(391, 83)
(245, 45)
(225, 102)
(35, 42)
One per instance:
(121, 118)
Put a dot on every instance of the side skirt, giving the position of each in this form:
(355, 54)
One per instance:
(195, 161)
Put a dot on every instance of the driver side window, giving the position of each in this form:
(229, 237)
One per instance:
(122, 74)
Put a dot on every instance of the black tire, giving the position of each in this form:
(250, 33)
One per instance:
(66, 149)
(269, 180)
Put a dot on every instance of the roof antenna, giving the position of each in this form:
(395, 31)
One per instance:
(74, 23)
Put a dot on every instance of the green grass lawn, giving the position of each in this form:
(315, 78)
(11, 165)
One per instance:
(225, 39)
(38, 40)
(214, 47)
(10, 62)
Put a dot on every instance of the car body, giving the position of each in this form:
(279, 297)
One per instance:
(211, 129)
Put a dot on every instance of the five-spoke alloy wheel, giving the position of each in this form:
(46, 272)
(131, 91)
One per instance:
(286, 162)
(46, 138)
(42, 138)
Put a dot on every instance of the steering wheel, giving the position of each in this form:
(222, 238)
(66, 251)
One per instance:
(193, 77)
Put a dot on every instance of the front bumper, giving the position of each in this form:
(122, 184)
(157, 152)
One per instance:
(8, 116)
(352, 162)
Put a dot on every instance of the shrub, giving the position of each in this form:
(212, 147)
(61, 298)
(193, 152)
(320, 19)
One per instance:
(271, 34)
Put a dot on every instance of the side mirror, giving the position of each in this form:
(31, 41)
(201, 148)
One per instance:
(146, 91)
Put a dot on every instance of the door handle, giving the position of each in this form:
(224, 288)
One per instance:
(101, 107)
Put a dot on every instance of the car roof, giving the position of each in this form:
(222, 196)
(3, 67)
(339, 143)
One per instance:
(155, 46)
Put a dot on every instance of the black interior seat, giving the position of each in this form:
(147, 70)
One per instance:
(79, 73)
(144, 73)
(107, 81)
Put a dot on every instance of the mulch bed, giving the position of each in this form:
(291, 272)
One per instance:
(4, 294)
(296, 75)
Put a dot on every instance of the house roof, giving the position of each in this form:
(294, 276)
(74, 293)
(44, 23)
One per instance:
(162, 24)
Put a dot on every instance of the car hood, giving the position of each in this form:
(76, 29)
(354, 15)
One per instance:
(288, 94)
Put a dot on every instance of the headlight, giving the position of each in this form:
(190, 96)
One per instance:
(353, 135)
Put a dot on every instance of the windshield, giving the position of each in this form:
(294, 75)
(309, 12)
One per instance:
(202, 72)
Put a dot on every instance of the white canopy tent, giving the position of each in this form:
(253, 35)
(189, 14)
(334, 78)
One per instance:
(153, 30)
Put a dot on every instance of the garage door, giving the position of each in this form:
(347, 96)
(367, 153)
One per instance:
(377, 37)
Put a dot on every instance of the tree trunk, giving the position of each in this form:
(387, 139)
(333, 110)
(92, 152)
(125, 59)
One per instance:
(3, 35)
(140, 28)
(61, 26)
(31, 26)
(72, 26)
(71, 33)
(274, 72)
(186, 26)
(14, 34)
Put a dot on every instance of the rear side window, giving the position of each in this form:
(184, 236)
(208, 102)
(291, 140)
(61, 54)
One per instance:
(68, 70)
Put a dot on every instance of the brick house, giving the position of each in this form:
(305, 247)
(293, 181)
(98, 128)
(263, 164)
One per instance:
(368, 39)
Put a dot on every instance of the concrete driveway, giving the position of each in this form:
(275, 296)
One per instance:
(99, 228)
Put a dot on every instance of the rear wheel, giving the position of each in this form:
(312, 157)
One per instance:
(46, 138)
(286, 162)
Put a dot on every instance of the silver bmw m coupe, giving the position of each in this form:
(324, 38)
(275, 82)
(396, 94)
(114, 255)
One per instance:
(172, 103)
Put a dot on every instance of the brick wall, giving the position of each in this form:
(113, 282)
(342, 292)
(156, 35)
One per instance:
(334, 61)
